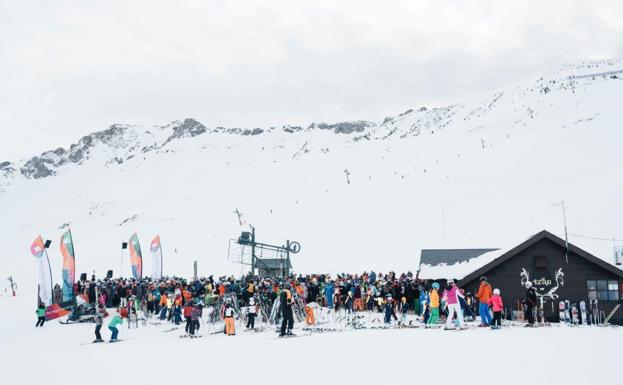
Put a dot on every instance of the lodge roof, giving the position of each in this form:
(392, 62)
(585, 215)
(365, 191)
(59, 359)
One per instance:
(505, 256)
(435, 257)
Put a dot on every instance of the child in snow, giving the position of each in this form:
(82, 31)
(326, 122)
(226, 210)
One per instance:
(188, 310)
(433, 316)
(389, 310)
(404, 310)
(230, 327)
(424, 299)
(40, 315)
(251, 313)
(177, 314)
(496, 303)
(112, 326)
(99, 320)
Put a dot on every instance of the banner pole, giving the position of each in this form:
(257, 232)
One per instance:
(50, 269)
(73, 275)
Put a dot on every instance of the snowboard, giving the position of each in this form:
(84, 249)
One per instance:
(561, 311)
(583, 312)
(574, 314)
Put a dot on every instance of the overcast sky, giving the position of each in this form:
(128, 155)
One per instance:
(68, 68)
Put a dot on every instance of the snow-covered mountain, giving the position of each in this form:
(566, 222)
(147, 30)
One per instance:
(484, 172)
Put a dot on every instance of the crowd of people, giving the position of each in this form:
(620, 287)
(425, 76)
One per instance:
(171, 298)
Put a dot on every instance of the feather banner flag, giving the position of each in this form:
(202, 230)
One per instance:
(37, 249)
(136, 258)
(156, 253)
(69, 266)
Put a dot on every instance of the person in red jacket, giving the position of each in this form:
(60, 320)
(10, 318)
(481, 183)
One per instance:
(483, 295)
(496, 303)
(188, 311)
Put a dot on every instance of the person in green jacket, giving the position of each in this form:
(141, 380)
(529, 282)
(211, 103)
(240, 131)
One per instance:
(40, 315)
(112, 326)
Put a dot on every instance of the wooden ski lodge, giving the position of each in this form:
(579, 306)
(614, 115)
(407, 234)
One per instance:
(559, 271)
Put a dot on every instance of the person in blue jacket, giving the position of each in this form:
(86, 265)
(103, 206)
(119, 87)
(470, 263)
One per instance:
(329, 290)
(423, 301)
(389, 310)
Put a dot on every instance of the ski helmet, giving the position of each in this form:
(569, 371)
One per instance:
(483, 278)
(450, 281)
(496, 291)
(436, 285)
(528, 284)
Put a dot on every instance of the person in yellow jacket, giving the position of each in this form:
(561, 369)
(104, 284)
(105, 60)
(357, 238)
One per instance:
(434, 305)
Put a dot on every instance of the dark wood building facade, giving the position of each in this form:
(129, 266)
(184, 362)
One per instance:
(559, 272)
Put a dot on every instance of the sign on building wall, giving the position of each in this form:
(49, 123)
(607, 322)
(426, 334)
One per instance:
(546, 286)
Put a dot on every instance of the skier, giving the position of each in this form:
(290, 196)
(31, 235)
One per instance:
(177, 314)
(40, 315)
(433, 317)
(424, 299)
(112, 326)
(251, 313)
(194, 320)
(404, 310)
(451, 298)
(188, 310)
(329, 290)
(285, 302)
(230, 325)
(496, 303)
(310, 319)
(99, 320)
(389, 310)
(530, 302)
(483, 295)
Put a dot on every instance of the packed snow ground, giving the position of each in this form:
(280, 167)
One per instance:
(56, 354)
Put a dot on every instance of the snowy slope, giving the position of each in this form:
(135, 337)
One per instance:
(483, 172)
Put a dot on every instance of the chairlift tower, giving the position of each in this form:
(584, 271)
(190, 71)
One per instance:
(276, 264)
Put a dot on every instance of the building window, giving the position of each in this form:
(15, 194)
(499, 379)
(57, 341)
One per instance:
(603, 290)
(540, 261)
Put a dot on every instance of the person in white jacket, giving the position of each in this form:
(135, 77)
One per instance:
(251, 313)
